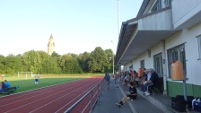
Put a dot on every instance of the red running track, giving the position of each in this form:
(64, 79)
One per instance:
(53, 99)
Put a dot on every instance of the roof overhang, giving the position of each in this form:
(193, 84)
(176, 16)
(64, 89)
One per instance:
(142, 42)
(140, 34)
(195, 19)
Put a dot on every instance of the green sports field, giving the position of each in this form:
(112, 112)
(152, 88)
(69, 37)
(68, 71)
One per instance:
(28, 83)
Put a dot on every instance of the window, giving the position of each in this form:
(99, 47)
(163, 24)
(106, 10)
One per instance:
(158, 64)
(149, 53)
(199, 46)
(167, 3)
(157, 6)
(177, 53)
(142, 64)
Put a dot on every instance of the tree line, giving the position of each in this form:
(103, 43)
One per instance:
(98, 61)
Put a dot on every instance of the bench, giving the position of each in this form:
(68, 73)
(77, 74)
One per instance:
(11, 90)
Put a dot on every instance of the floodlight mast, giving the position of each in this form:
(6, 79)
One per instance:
(118, 17)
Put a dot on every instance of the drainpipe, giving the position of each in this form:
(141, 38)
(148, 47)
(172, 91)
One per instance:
(164, 70)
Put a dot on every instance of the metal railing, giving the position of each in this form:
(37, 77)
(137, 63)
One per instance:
(90, 92)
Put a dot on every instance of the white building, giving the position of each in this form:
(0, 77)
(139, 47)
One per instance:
(164, 31)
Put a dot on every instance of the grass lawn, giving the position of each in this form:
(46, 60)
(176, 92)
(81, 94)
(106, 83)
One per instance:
(29, 83)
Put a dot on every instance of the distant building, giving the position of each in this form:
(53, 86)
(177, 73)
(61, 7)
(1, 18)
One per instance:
(50, 46)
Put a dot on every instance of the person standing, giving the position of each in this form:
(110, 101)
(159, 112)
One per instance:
(115, 77)
(2, 76)
(107, 79)
(36, 79)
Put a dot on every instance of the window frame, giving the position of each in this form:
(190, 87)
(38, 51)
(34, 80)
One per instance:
(174, 54)
(167, 3)
(199, 46)
(157, 6)
(142, 64)
(158, 64)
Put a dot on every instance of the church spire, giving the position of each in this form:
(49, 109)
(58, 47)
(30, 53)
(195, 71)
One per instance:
(50, 45)
(51, 36)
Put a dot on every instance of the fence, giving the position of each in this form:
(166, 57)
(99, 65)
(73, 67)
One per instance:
(94, 94)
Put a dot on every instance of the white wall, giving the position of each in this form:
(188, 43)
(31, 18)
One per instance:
(187, 37)
(148, 60)
(183, 10)
(157, 21)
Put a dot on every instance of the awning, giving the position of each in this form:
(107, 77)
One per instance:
(140, 34)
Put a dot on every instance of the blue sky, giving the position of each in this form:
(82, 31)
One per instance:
(76, 25)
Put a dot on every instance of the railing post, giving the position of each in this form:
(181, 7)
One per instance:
(91, 104)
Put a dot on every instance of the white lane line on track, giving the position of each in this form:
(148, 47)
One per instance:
(62, 97)
(32, 97)
(30, 91)
(39, 100)
(68, 103)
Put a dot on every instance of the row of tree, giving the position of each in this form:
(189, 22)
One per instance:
(98, 60)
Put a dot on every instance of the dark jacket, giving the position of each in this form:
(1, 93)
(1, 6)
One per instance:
(154, 78)
(3, 85)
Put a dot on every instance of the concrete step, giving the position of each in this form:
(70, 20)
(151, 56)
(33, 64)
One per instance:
(140, 105)
(161, 101)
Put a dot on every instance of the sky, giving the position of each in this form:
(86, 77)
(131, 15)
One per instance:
(77, 26)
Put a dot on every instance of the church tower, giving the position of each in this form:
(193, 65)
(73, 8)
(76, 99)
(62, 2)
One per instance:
(50, 46)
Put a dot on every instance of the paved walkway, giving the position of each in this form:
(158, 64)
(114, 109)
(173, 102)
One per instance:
(108, 98)
(156, 103)
(106, 103)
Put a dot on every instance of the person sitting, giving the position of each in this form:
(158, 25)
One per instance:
(132, 94)
(146, 76)
(153, 81)
(8, 85)
(2, 87)
(136, 78)
(127, 78)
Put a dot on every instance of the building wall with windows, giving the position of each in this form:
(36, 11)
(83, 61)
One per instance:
(185, 43)
(187, 38)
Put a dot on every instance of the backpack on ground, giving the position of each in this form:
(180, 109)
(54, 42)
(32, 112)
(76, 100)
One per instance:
(179, 104)
(196, 103)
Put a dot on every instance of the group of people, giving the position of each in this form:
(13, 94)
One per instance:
(5, 84)
(149, 78)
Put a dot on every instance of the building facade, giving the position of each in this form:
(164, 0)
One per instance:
(50, 45)
(164, 31)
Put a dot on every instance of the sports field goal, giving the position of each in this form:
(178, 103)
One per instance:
(24, 74)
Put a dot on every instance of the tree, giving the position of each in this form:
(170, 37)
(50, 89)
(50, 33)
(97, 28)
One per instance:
(98, 60)
(2, 64)
(109, 54)
(83, 61)
(62, 61)
(54, 54)
(33, 60)
(51, 66)
(72, 66)
(12, 64)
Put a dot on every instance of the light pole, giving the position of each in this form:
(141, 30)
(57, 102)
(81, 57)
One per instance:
(112, 59)
(118, 17)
